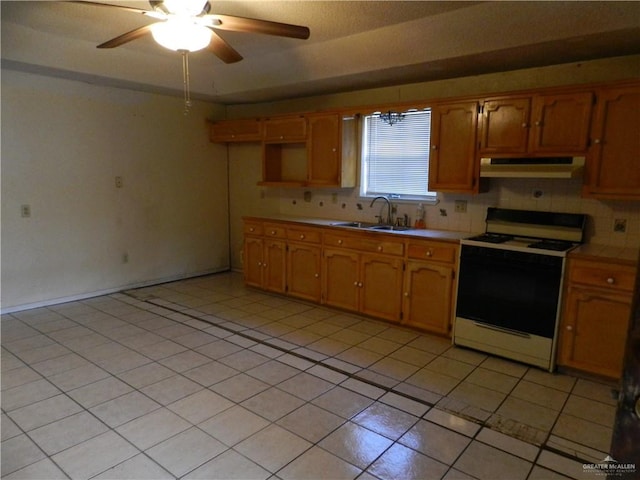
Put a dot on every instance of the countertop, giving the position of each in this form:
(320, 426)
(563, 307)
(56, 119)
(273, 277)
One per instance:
(619, 255)
(443, 235)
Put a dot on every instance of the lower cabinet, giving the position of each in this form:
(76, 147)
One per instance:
(265, 256)
(595, 319)
(303, 271)
(427, 297)
(394, 278)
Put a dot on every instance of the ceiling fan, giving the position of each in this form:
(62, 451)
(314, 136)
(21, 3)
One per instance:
(187, 25)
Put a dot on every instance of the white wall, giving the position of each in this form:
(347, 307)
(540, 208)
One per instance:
(558, 195)
(63, 144)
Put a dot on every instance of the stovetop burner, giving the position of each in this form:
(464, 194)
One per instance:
(556, 245)
(492, 238)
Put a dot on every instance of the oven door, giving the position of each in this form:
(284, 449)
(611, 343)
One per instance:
(515, 291)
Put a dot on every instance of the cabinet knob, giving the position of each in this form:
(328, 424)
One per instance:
(569, 327)
(406, 294)
(597, 140)
(302, 237)
(434, 147)
(339, 242)
(317, 275)
(281, 137)
(251, 229)
(259, 264)
(429, 253)
(264, 265)
(611, 280)
(380, 248)
(355, 284)
(334, 150)
(273, 232)
(538, 123)
(524, 125)
(360, 284)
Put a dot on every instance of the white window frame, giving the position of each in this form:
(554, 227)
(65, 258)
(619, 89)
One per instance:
(419, 143)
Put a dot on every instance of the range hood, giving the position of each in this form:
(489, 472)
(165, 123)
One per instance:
(547, 167)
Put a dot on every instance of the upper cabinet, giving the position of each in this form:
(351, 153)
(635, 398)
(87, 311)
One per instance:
(613, 160)
(332, 150)
(452, 161)
(288, 129)
(314, 150)
(236, 131)
(541, 124)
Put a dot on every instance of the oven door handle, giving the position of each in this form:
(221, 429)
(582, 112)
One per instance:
(503, 330)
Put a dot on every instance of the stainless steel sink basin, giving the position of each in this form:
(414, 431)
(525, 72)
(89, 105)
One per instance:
(371, 226)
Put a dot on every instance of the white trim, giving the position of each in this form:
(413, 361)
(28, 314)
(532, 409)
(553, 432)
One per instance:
(108, 291)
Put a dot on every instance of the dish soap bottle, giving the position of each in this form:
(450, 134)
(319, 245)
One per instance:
(419, 222)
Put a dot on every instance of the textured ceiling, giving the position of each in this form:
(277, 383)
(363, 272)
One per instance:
(353, 44)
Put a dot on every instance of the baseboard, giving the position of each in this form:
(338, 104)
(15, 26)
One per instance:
(108, 291)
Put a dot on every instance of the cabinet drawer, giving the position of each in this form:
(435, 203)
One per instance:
(615, 277)
(275, 230)
(253, 228)
(438, 252)
(306, 235)
(365, 244)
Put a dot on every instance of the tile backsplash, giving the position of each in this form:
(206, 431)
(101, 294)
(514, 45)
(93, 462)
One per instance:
(557, 195)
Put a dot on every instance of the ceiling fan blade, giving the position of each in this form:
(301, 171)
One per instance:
(222, 49)
(126, 37)
(121, 7)
(252, 25)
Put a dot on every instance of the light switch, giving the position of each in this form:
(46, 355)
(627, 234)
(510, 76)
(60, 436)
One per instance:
(25, 211)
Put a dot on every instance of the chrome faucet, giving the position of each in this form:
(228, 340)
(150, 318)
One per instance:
(388, 221)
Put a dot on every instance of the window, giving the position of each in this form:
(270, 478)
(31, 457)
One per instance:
(395, 158)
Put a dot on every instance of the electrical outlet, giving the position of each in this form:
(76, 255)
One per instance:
(460, 206)
(125, 257)
(25, 211)
(620, 225)
(118, 182)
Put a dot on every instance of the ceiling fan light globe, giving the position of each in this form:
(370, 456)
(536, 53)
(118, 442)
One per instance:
(177, 34)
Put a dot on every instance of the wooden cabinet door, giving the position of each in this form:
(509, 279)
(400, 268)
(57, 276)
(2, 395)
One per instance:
(381, 286)
(236, 131)
(594, 331)
(303, 271)
(340, 278)
(428, 297)
(253, 261)
(560, 123)
(285, 129)
(613, 160)
(452, 161)
(274, 265)
(505, 125)
(323, 150)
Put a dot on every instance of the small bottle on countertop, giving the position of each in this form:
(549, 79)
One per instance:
(419, 221)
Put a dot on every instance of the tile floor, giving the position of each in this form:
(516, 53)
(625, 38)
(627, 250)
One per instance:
(206, 379)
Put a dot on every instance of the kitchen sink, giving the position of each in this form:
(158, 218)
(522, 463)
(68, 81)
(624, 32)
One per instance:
(371, 226)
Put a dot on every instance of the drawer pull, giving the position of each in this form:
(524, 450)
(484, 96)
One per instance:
(317, 275)
(569, 328)
(273, 232)
(302, 237)
(406, 294)
(251, 229)
(339, 242)
(380, 248)
(611, 280)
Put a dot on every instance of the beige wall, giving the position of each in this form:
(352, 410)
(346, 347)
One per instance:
(63, 144)
(558, 195)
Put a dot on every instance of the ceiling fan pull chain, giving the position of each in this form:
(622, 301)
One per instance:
(185, 80)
